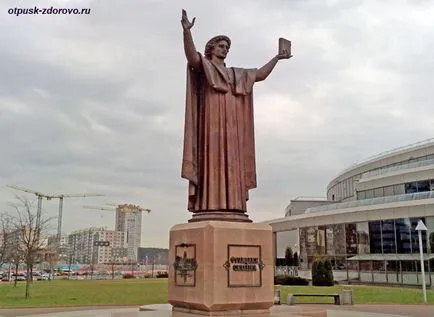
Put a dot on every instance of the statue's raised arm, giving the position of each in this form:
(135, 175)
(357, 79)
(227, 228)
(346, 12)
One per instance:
(266, 70)
(190, 50)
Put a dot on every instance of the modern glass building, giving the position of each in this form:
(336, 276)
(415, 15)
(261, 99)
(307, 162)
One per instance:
(367, 223)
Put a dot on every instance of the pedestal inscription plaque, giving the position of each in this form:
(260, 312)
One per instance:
(185, 265)
(244, 265)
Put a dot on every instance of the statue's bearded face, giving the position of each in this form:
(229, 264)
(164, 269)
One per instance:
(220, 49)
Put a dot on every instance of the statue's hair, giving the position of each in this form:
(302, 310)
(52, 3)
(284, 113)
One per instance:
(212, 42)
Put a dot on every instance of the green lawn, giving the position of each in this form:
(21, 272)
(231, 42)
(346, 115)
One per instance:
(154, 291)
(362, 294)
(85, 292)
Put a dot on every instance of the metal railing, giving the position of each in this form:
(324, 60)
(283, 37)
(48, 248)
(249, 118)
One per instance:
(373, 201)
(399, 167)
(309, 198)
(386, 153)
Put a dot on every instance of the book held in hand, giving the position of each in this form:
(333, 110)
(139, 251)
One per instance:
(284, 44)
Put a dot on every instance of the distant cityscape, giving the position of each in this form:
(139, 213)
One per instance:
(100, 245)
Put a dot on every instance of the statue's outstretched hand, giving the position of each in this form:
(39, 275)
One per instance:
(186, 24)
(284, 55)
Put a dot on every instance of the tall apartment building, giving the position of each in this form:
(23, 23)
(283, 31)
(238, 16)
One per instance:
(129, 220)
(84, 250)
(115, 252)
(61, 252)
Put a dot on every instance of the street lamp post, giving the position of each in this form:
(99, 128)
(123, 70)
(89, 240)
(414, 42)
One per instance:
(419, 228)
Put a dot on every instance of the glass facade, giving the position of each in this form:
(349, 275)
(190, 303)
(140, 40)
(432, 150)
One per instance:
(403, 236)
(363, 241)
(386, 251)
(383, 251)
(399, 189)
(395, 236)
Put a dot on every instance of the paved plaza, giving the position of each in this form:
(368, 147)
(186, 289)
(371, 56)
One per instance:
(164, 310)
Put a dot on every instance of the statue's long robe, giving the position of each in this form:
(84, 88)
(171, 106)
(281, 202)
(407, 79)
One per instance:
(219, 151)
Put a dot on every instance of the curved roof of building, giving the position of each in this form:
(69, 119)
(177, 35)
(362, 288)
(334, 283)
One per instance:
(366, 164)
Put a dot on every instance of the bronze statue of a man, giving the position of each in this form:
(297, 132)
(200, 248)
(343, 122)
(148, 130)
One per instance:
(219, 151)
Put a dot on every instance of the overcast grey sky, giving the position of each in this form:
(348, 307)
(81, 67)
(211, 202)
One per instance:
(95, 103)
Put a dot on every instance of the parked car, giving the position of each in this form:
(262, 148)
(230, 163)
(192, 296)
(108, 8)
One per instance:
(18, 277)
(40, 276)
(162, 274)
(4, 277)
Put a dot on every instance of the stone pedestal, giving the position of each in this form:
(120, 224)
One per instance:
(221, 267)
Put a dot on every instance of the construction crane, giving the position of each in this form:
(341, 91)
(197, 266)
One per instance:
(59, 216)
(120, 206)
(49, 197)
(39, 195)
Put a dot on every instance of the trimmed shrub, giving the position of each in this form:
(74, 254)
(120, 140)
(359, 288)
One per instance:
(329, 272)
(290, 280)
(127, 276)
(322, 273)
(314, 271)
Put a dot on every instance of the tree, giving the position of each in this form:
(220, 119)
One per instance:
(112, 265)
(31, 234)
(296, 260)
(5, 239)
(114, 261)
(431, 241)
(16, 258)
(52, 260)
(289, 257)
(9, 245)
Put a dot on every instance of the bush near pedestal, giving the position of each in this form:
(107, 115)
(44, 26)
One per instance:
(322, 272)
(290, 280)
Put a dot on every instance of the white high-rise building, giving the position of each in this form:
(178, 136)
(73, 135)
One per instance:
(129, 220)
(88, 246)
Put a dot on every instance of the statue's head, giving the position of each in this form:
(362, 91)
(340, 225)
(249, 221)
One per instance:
(218, 46)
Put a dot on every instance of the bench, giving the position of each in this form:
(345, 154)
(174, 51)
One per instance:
(290, 298)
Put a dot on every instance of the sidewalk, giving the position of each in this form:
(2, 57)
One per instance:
(278, 310)
(398, 310)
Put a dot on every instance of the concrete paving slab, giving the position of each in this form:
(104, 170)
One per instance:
(165, 310)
